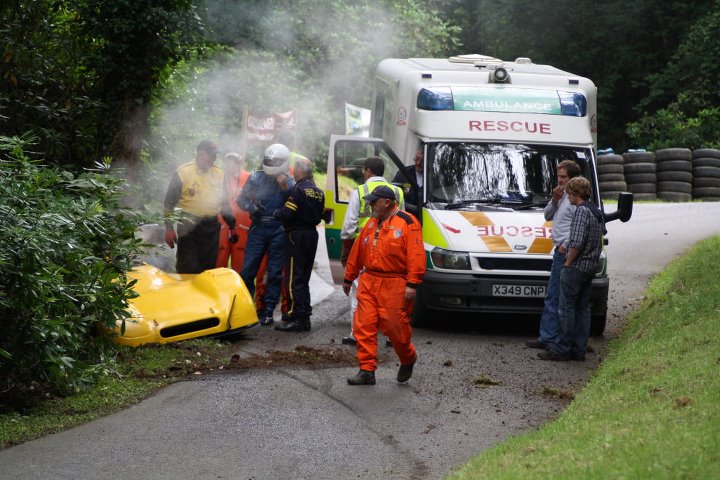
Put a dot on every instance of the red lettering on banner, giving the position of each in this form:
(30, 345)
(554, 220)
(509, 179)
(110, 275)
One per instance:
(474, 125)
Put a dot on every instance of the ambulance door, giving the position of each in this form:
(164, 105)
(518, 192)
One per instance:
(344, 173)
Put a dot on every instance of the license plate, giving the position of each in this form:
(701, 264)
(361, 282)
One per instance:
(533, 291)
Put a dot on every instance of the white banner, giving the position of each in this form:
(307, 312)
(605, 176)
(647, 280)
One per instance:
(357, 121)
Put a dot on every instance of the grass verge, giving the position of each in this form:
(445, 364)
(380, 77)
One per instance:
(141, 372)
(652, 410)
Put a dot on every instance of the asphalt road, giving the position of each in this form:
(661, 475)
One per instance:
(299, 423)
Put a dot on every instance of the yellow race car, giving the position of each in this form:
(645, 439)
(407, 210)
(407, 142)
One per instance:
(170, 308)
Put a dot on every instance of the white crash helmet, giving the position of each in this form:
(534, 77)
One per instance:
(276, 160)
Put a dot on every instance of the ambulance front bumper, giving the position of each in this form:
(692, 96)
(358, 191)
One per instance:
(497, 294)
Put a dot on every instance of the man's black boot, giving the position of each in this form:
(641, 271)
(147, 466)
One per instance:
(294, 325)
(405, 372)
(363, 377)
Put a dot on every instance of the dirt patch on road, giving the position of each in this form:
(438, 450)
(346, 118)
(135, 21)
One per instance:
(193, 359)
(301, 356)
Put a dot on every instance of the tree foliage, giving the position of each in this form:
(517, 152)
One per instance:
(692, 116)
(65, 246)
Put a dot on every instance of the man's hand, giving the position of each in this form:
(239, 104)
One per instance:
(346, 287)
(410, 294)
(557, 194)
(345, 250)
(282, 180)
(170, 238)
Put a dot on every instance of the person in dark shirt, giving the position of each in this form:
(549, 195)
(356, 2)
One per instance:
(581, 262)
(300, 215)
(413, 180)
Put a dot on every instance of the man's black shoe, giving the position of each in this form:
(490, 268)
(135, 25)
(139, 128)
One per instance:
(536, 344)
(266, 320)
(553, 356)
(349, 340)
(293, 326)
(577, 357)
(405, 372)
(363, 377)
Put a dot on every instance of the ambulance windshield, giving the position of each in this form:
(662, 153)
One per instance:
(461, 175)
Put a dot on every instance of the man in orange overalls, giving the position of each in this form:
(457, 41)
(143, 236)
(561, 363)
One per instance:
(390, 250)
(232, 241)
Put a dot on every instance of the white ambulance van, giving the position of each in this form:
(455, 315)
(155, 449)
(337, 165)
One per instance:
(492, 133)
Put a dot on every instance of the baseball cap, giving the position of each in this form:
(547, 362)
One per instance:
(381, 191)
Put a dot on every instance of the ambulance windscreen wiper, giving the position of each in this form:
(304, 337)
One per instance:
(526, 206)
(478, 201)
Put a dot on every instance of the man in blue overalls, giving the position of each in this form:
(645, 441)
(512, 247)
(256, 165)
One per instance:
(262, 195)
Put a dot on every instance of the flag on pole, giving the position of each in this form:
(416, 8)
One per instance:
(267, 129)
(357, 120)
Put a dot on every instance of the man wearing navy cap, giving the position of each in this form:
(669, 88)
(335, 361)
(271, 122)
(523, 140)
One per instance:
(390, 253)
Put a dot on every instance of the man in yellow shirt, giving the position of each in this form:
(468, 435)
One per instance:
(197, 189)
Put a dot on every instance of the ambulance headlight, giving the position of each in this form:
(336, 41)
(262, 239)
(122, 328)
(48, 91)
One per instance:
(602, 265)
(448, 259)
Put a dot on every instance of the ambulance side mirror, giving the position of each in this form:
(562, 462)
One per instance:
(624, 208)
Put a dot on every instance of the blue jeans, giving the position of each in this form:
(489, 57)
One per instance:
(270, 238)
(549, 319)
(574, 312)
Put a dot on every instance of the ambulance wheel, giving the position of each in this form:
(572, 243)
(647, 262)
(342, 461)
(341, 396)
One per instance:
(421, 314)
(597, 324)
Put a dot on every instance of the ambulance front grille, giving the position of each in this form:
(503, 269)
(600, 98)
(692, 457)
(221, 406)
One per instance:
(190, 327)
(494, 263)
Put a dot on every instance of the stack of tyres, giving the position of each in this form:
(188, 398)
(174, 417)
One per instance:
(611, 175)
(641, 174)
(674, 174)
(706, 174)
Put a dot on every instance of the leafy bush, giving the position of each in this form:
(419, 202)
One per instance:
(65, 246)
(674, 127)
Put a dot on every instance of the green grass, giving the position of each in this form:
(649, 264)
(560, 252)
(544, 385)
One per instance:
(652, 410)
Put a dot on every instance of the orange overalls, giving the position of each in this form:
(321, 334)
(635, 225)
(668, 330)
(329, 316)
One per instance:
(235, 252)
(393, 257)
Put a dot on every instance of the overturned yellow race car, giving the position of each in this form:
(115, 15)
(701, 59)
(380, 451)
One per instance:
(170, 308)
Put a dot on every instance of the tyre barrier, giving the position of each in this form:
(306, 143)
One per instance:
(705, 167)
(641, 174)
(670, 174)
(611, 176)
(674, 174)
